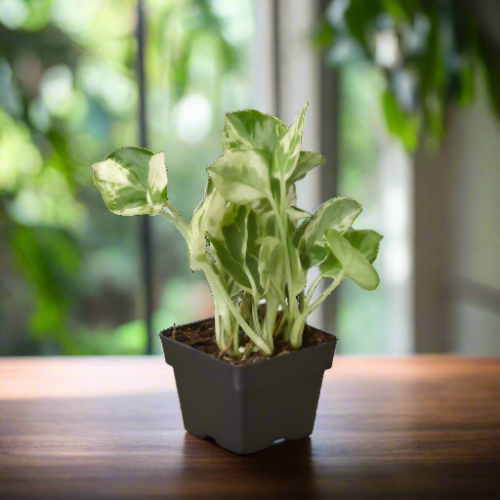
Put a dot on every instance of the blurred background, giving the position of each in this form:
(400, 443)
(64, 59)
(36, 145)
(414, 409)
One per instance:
(404, 103)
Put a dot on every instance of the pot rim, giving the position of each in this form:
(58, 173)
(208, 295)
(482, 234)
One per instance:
(298, 351)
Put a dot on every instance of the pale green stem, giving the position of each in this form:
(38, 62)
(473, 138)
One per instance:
(292, 305)
(331, 287)
(222, 318)
(295, 336)
(279, 296)
(176, 212)
(182, 228)
(227, 328)
(283, 205)
(256, 339)
(279, 326)
(255, 309)
(270, 319)
(217, 327)
(312, 288)
(302, 301)
(236, 338)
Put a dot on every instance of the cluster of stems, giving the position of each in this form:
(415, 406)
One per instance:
(262, 320)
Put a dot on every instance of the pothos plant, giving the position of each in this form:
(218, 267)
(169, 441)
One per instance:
(247, 235)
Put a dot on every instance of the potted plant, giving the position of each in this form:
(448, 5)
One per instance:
(253, 373)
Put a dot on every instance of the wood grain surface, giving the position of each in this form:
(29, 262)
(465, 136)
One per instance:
(423, 428)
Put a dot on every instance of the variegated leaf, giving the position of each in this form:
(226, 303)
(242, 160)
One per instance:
(308, 160)
(271, 264)
(235, 231)
(241, 177)
(253, 250)
(132, 181)
(338, 214)
(298, 274)
(215, 214)
(291, 196)
(366, 241)
(266, 219)
(330, 267)
(354, 264)
(297, 214)
(286, 152)
(251, 129)
(232, 288)
(231, 244)
(197, 228)
(229, 264)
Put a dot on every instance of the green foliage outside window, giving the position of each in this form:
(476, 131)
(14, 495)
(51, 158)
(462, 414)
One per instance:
(428, 50)
(67, 96)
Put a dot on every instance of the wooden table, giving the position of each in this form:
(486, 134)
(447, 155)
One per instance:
(424, 428)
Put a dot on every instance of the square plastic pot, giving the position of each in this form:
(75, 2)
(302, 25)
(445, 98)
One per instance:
(247, 408)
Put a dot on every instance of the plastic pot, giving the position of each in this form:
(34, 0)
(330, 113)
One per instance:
(247, 408)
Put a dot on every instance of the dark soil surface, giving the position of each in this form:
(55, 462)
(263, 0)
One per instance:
(201, 336)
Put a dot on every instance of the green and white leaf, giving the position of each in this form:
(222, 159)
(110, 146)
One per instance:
(253, 250)
(215, 214)
(231, 244)
(271, 265)
(266, 218)
(297, 214)
(330, 267)
(354, 264)
(251, 129)
(286, 152)
(234, 231)
(196, 239)
(308, 160)
(298, 274)
(366, 241)
(294, 214)
(338, 214)
(241, 177)
(229, 264)
(132, 181)
(232, 288)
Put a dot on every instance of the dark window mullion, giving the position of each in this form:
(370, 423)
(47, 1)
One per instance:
(145, 222)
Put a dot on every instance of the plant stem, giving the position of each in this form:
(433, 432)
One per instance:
(221, 293)
(236, 337)
(270, 318)
(297, 331)
(182, 228)
(176, 212)
(279, 297)
(292, 304)
(295, 336)
(217, 327)
(312, 288)
(227, 327)
(279, 325)
(255, 309)
(301, 301)
(331, 287)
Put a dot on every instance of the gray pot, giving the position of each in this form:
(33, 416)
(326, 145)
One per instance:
(246, 408)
